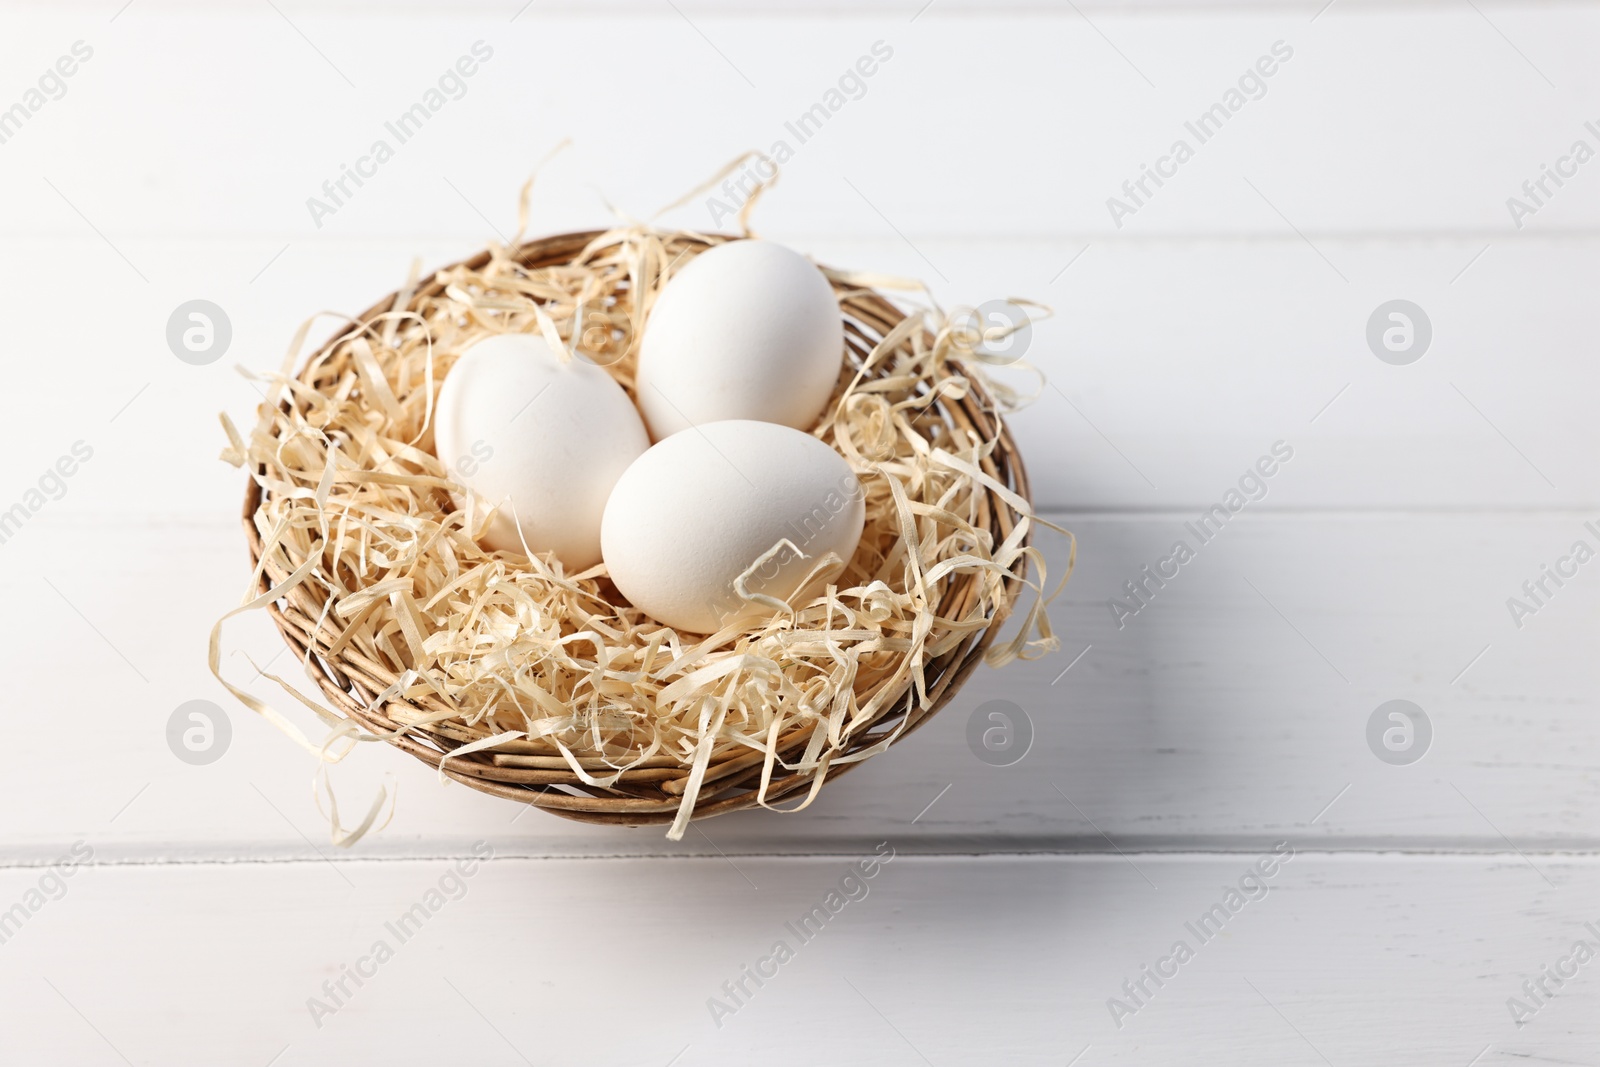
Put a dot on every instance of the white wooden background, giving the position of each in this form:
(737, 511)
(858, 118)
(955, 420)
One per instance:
(1230, 715)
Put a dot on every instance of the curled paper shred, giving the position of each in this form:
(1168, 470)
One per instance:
(368, 551)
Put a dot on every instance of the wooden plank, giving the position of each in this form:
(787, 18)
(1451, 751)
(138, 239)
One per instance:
(1422, 119)
(1173, 367)
(941, 961)
(1231, 710)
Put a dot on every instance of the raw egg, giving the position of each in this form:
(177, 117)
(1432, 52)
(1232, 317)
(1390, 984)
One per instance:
(541, 438)
(724, 501)
(746, 330)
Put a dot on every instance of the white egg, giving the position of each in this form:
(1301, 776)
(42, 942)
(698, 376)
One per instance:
(543, 439)
(747, 330)
(705, 505)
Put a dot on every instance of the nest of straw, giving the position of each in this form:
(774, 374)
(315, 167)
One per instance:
(516, 678)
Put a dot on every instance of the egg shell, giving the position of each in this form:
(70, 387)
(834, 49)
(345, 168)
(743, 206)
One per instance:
(702, 506)
(746, 330)
(545, 437)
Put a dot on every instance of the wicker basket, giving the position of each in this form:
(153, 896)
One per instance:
(651, 794)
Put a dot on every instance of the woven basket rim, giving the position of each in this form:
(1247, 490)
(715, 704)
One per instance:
(645, 797)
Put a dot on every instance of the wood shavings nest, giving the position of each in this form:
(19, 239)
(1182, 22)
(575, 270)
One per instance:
(544, 687)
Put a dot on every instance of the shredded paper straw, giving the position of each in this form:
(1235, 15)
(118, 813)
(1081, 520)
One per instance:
(507, 661)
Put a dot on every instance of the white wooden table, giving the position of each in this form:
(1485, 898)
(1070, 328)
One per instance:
(208, 920)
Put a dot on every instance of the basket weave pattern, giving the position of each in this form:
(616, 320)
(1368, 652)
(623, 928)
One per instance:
(652, 792)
